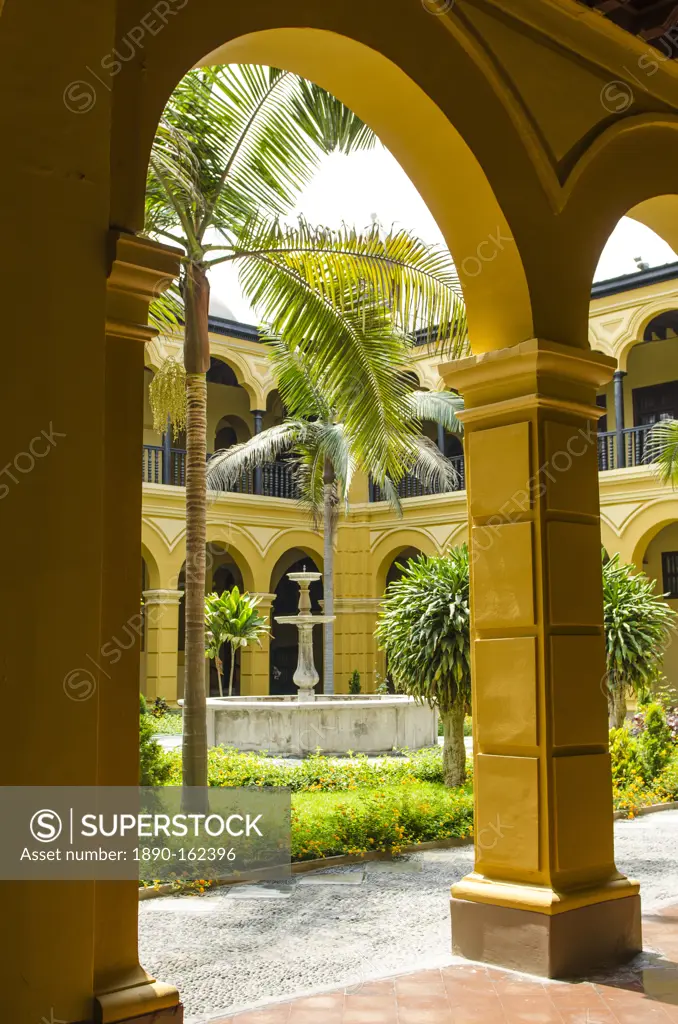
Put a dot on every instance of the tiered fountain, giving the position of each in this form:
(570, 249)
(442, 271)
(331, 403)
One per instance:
(306, 674)
(366, 723)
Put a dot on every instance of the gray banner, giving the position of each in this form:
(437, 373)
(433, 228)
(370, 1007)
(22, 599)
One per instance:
(161, 834)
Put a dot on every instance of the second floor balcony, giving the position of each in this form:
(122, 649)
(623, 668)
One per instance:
(160, 465)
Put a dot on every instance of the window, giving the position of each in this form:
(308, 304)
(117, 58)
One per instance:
(658, 402)
(670, 573)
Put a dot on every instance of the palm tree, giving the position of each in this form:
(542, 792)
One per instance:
(424, 627)
(662, 449)
(234, 148)
(639, 625)
(328, 454)
(231, 618)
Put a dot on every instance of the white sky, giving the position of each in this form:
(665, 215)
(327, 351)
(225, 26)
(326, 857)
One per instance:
(353, 188)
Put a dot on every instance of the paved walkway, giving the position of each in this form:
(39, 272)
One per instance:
(241, 947)
(464, 993)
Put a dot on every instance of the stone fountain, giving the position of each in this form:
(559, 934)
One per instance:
(283, 726)
(306, 674)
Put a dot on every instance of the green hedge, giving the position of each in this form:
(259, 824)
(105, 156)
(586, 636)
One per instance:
(229, 767)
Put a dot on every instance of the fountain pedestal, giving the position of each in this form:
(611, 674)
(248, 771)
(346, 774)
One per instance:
(306, 674)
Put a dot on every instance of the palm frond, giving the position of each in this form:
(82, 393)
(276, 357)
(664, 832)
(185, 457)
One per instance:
(662, 449)
(438, 407)
(431, 468)
(417, 281)
(226, 467)
(332, 125)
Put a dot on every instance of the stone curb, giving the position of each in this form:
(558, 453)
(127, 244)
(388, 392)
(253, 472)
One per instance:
(650, 809)
(299, 867)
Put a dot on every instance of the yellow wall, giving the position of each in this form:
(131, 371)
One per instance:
(666, 540)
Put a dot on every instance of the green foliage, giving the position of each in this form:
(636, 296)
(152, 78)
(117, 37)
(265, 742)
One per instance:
(229, 767)
(662, 448)
(638, 627)
(644, 762)
(655, 742)
(381, 444)
(167, 395)
(327, 824)
(424, 628)
(232, 618)
(235, 147)
(154, 766)
(354, 682)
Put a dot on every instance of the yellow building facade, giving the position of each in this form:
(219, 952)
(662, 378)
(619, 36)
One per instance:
(529, 130)
(255, 538)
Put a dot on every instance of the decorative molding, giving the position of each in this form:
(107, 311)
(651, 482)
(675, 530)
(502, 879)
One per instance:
(139, 271)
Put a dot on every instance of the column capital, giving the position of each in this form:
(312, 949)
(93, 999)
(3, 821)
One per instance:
(139, 271)
(162, 596)
(535, 372)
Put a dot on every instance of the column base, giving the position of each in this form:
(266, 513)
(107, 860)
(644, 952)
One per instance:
(572, 943)
(172, 1015)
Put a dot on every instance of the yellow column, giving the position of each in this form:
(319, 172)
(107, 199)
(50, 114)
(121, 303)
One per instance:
(161, 609)
(355, 645)
(355, 609)
(255, 659)
(545, 895)
(122, 989)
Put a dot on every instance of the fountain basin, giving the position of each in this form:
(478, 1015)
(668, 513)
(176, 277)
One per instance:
(285, 727)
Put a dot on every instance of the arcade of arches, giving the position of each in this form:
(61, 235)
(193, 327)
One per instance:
(526, 183)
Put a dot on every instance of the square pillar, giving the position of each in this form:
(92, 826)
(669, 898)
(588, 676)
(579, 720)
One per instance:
(161, 609)
(545, 896)
(255, 665)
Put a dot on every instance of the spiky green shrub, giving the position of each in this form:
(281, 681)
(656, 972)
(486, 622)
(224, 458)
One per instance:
(638, 628)
(424, 627)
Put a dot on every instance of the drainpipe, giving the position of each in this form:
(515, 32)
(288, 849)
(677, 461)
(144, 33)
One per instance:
(618, 379)
(441, 438)
(258, 416)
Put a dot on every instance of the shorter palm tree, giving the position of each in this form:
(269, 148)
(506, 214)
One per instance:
(231, 618)
(638, 628)
(424, 627)
(327, 453)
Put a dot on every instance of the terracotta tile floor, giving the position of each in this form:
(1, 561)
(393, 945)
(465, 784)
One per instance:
(466, 993)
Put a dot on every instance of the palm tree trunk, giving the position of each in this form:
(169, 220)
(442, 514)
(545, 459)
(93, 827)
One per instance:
(230, 673)
(616, 706)
(196, 360)
(454, 751)
(329, 526)
(220, 674)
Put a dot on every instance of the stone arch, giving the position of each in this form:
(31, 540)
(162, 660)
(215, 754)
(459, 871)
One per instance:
(645, 526)
(241, 370)
(638, 323)
(387, 550)
(240, 548)
(626, 170)
(405, 100)
(297, 540)
(152, 568)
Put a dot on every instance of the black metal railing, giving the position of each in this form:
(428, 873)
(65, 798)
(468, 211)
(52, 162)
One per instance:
(411, 487)
(633, 451)
(278, 479)
(168, 466)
